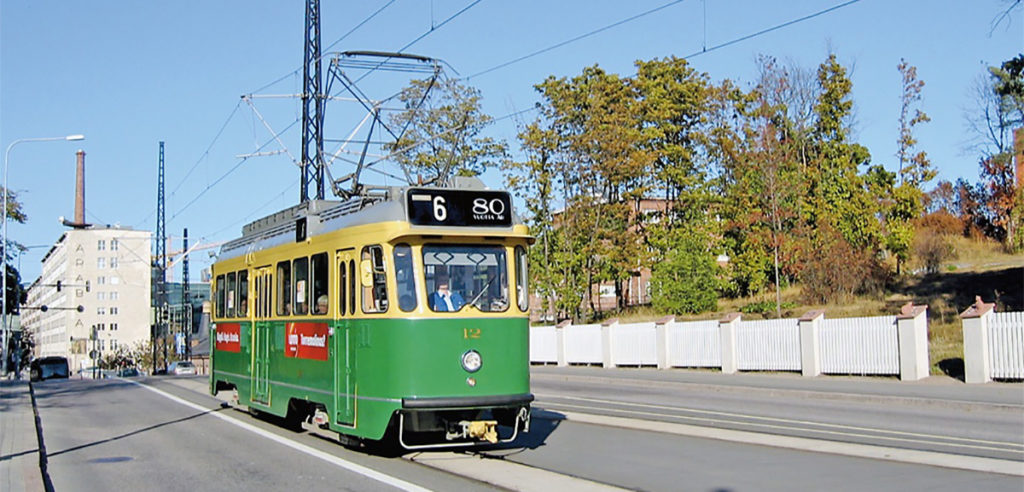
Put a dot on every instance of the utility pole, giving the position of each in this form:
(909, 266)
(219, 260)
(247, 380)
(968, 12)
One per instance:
(160, 264)
(186, 303)
(312, 108)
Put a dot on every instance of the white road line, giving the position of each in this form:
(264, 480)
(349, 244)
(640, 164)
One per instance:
(877, 433)
(972, 463)
(334, 460)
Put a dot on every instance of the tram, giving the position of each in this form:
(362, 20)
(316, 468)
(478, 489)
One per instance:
(398, 316)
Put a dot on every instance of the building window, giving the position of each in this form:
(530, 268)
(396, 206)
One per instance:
(101, 245)
(113, 344)
(100, 327)
(100, 296)
(113, 295)
(101, 310)
(114, 280)
(113, 262)
(113, 310)
(113, 245)
(102, 280)
(113, 326)
(101, 263)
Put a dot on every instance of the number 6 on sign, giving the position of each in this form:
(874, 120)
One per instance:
(440, 213)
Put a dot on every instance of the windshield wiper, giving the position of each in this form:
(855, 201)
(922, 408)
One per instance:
(482, 291)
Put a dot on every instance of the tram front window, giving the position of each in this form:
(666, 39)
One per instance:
(466, 275)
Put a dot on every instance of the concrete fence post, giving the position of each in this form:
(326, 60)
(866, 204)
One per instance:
(975, 320)
(912, 328)
(810, 347)
(560, 343)
(661, 329)
(727, 335)
(606, 341)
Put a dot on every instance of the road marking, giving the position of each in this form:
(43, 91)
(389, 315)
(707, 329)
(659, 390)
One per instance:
(973, 463)
(334, 460)
(960, 442)
(507, 474)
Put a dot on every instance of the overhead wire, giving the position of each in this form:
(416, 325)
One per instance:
(577, 38)
(336, 41)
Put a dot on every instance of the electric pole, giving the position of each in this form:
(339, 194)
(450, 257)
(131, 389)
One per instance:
(160, 263)
(186, 303)
(312, 108)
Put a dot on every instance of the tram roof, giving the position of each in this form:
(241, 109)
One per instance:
(324, 216)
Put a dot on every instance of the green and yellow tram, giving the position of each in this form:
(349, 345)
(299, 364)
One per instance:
(401, 314)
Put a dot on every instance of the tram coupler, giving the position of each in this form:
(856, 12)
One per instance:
(482, 430)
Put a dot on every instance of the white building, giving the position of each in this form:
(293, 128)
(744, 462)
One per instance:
(106, 271)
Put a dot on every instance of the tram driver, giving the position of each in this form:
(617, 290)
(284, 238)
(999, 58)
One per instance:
(444, 299)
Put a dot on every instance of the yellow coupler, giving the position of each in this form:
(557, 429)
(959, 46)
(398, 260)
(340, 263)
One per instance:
(485, 430)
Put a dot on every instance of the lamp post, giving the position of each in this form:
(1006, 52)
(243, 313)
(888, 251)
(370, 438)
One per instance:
(3, 257)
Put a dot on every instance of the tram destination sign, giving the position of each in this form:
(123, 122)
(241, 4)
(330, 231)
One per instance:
(471, 208)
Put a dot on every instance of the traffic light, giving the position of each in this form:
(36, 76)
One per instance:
(58, 286)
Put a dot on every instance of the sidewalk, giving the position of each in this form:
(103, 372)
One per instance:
(19, 448)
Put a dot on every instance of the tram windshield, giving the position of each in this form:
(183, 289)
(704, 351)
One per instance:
(459, 275)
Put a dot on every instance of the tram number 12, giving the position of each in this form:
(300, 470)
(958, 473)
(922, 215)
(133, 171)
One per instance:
(471, 333)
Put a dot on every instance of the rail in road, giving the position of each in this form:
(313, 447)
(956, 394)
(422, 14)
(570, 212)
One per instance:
(592, 430)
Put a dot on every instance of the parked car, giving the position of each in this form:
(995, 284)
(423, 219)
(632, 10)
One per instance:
(53, 367)
(180, 368)
(91, 372)
(127, 372)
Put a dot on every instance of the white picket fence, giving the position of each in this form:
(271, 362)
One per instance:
(1006, 345)
(768, 345)
(860, 346)
(847, 346)
(694, 344)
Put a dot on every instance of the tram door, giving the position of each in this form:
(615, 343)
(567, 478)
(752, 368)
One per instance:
(345, 305)
(263, 283)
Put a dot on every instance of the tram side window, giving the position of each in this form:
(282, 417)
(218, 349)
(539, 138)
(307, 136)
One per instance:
(522, 278)
(284, 288)
(404, 278)
(243, 294)
(342, 287)
(318, 282)
(375, 296)
(220, 296)
(352, 286)
(300, 268)
(230, 294)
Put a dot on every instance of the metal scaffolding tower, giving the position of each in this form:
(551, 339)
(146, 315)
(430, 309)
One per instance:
(160, 264)
(312, 109)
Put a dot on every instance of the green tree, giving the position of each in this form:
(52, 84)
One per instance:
(443, 124)
(16, 213)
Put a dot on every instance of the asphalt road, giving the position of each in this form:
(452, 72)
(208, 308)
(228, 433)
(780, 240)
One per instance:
(633, 429)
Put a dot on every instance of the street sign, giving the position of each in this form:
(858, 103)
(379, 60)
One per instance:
(94, 354)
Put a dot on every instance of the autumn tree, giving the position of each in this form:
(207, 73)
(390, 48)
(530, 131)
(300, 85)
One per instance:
(1000, 110)
(915, 170)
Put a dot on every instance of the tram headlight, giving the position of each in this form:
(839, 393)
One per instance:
(471, 361)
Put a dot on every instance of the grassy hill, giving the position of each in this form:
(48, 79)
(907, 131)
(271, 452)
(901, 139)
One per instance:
(979, 268)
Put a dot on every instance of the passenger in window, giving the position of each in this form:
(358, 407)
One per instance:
(444, 299)
(321, 305)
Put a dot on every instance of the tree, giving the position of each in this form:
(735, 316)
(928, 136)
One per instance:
(1000, 109)
(443, 124)
(16, 213)
(915, 168)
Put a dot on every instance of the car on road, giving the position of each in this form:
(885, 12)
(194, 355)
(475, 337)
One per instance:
(127, 372)
(53, 367)
(181, 368)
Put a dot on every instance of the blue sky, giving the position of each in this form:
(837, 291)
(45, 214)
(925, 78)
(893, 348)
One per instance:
(129, 74)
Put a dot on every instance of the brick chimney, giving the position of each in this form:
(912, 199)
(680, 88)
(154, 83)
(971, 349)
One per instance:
(79, 222)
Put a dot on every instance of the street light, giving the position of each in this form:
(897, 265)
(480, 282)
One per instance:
(3, 260)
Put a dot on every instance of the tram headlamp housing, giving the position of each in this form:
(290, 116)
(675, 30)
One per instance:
(471, 361)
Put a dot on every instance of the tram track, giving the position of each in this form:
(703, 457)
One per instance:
(779, 426)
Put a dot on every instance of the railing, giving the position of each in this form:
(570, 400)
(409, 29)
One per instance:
(1006, 345)
(768, 345)
(860, 346)
(843, 346)
(695, 344)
